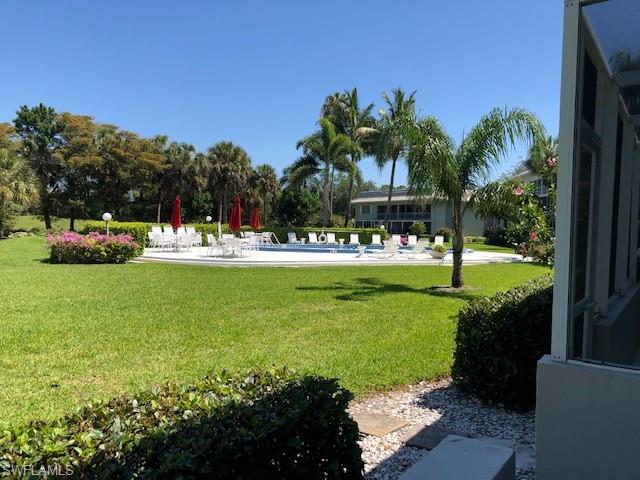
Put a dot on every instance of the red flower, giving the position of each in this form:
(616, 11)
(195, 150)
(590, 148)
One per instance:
(518, 192)
(533, 236)
(552, 161)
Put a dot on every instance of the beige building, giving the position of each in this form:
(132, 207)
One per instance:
(370, 210)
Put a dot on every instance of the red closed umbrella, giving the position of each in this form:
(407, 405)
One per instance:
(235, 222)
(255, 219)
(176, 216)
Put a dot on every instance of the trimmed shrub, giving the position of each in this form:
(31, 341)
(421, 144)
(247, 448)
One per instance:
(418, 228)
(257, 425)
(438, 248)
(500, 340)
(71, 247)
(474, 239)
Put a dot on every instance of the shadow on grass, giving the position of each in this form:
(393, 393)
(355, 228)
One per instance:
(364, 288)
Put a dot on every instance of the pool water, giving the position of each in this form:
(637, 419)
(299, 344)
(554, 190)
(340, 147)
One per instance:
(326, 248)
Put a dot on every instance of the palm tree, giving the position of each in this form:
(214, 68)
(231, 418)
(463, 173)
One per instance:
(224, 171)
(322, 152)
(266, 185)
(179, 167)
(392, 137)
(438, 167)
(356, 123)
(19, 186)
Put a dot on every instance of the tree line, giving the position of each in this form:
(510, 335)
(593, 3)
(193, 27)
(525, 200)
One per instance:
(71, 166)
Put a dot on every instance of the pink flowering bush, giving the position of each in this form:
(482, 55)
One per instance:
(72, 247)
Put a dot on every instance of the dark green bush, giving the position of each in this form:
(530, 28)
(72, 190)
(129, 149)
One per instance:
(418, 228)
(447, 233)
(264, 425)
(500, 340)
(497, 236)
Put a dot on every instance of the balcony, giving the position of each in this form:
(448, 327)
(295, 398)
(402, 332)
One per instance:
(408, 216)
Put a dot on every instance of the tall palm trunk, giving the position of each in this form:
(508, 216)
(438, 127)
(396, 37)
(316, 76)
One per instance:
(458, 245)
(220, 210)
(393, 174)
(326, 198)
(347, 214)
(264, 209)
(159, 209)
(333, 170)
(225, 207)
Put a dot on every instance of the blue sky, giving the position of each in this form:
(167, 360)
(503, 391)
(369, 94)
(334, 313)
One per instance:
(256, 72)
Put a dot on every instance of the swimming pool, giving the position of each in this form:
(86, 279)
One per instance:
(333, 248)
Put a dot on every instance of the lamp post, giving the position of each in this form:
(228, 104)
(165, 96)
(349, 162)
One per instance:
(107, 218)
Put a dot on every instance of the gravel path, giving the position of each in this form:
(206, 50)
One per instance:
(440, 404)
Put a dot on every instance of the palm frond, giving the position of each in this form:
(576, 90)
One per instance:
(491, 139)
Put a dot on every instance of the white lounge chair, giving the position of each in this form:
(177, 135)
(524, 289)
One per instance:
(232, 247)
(228, 236)
(156, 229)
(390, 249)
(376, 239)
(397, 239)
(292, 237)
(419, 248)
(313, 237)
(331, 238)
(214, 247)
(438, 240)
(354, 239)
(412, 240)
(167, 229)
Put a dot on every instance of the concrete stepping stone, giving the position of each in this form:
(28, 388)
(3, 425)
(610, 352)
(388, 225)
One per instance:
(426, 436)
(378, 424)
(525, 456)
(458, 458)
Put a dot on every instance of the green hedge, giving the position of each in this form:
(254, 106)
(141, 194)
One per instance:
(138, 230)
(500, 340)
(262, 424)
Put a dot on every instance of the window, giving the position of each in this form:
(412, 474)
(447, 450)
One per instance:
(540, 188)
(589, 90)
(366, 209)
(613, 246)
(582, 215)
(382, 209)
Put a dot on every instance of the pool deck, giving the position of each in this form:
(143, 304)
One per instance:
(198, 256)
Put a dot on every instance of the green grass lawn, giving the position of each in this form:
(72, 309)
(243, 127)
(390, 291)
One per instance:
(73, 332)
(29, 222)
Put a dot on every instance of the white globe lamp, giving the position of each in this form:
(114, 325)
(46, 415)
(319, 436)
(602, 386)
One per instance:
(208, 218)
